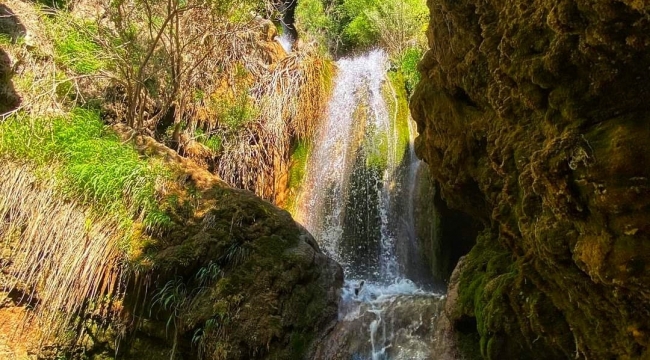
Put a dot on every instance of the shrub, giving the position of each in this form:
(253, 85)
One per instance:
(351, 25)
(408, 63)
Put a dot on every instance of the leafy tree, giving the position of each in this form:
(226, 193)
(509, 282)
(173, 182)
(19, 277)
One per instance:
(348, 25)
(400, 24)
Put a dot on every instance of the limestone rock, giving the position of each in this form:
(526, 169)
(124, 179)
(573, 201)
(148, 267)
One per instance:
(535, 121)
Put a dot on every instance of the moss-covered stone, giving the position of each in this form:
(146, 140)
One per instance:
(238, 279)
(534, 120)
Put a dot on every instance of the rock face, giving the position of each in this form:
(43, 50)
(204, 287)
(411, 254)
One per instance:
(254, 283)
(535, 120)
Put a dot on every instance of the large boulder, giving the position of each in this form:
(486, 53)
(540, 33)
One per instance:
(534, 118)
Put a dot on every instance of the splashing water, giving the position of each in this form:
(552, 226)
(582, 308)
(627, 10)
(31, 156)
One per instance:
(285, 39)
(398, 319)
(357, 201)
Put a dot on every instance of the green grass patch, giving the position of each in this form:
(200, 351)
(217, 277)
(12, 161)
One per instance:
(74, 46)
(91, 165)
(212, 141)
(5, 40)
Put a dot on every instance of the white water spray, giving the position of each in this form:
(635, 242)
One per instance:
(357, 201)
(285, 39)
(357, 110)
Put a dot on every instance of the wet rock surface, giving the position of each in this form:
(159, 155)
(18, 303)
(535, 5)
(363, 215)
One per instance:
(534, 120)
(393, 322)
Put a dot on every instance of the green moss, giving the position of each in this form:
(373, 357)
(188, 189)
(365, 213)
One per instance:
(298, 167)
(297, 170)
(482, 289)
(377, 150)
(399, 108)
(299, 344)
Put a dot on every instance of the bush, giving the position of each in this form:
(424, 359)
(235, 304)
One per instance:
(408, 64)
(314, 20)
(351, 25)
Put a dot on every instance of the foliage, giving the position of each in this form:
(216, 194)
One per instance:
(163, 51)
(408, 63)
(178, 297)
(5, 39)
(297, 170)
(235, 113)
(349, 25)
(211, 140)
(400, 24)
(314, 21)
(290, 102)
(56, 4)
(73, 48)
(93, 166)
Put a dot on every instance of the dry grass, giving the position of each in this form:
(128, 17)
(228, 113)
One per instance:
(62, 257)
(276, 98)
(291, 100)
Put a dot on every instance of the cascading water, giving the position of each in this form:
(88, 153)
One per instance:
(285, 39)
(357, 202)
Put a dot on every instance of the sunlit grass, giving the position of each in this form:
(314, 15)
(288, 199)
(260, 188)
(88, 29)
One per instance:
(92, 166)
(74, 47)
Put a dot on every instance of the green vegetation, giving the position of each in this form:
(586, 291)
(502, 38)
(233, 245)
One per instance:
(5, 39)
(236, 113)
(348, 25)
(297, 170)
(407, 63)
(135, 221)
(400, 106)
(211, 141)
(74, 48)
(91, 164)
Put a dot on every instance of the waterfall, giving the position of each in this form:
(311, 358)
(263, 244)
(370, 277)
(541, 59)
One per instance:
(345, 201)
(286, 40)
(357, 201)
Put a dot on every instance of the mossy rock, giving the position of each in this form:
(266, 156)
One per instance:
(534, 121)
(237, 280)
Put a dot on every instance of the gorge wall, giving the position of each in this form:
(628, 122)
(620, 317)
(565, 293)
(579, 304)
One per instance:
(534, 119)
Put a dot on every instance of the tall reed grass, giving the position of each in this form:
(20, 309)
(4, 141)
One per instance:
(70, 195)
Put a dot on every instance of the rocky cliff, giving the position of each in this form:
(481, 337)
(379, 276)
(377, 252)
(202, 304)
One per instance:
(534, 118)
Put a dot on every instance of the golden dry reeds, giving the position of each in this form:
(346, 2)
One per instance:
(63, 258)
(291, 100)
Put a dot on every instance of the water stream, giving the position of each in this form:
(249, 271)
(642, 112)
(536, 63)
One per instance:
(357, 201)
(285, 39)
